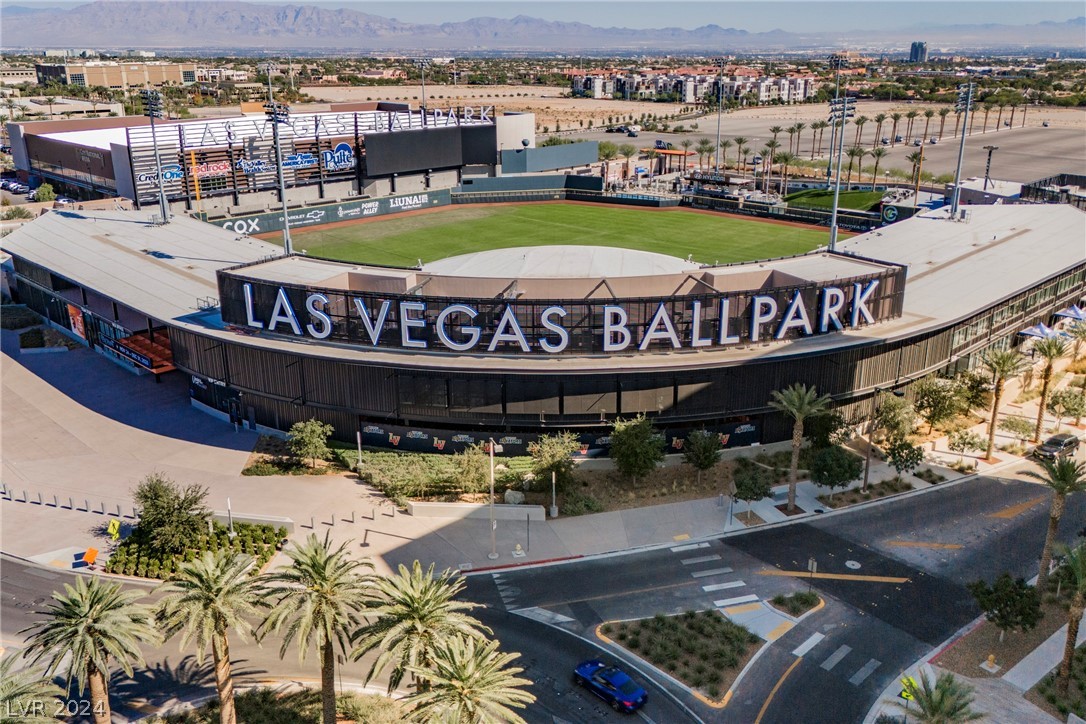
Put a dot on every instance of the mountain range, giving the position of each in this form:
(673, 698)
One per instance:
(241, 25)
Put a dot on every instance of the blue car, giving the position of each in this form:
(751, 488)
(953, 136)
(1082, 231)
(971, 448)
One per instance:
(611, 684)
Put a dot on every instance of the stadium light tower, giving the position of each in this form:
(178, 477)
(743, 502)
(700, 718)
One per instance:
(279, 113)
(421, 64)
(152, 108)
(836, 61)
(840, 111)
(963, 106)
(988, 166)
(719, 110)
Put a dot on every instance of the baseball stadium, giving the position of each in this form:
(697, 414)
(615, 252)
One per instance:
(456, 321)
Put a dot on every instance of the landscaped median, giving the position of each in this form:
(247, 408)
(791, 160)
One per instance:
(705, 651)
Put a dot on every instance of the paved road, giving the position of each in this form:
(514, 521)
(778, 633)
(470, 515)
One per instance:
(871, 630)
(1025, 154)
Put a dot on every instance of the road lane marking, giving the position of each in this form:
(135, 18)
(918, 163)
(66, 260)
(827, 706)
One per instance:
(700, 559)
(809, 644)
(866, 671)
(834, 576)
(602, 596)
(690, 547)
(1016, 510)
(681, 536)
(732, 601)
(743, 608)
(835, 658)
(711, 572)
(921, 544)
(722, 586)
(782, 628)
(776, 687)
(542, 615)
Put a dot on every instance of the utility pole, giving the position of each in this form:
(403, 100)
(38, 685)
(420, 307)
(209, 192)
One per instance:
(963, 106)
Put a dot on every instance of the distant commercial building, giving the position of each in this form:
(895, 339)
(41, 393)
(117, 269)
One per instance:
(692, 87)
(918, 52)
(14, 76)
(118, 75)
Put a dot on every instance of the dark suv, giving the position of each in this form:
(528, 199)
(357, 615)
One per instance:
(1057, 446)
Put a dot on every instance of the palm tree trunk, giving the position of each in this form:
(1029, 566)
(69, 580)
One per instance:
(996, 396)
(224, 682)
(1046, 378)
(1050, 538)
(1078, 603)
(328, 683)
(99, 695)
(793, 471)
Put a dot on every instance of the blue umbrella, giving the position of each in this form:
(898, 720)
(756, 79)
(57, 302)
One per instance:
(1074, 312)
(1039, 330)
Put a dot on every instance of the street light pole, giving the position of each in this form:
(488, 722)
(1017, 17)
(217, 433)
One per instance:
(493, 447)
(421, 63)
(988, 166)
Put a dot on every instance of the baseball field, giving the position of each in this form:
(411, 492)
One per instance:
(451, 231)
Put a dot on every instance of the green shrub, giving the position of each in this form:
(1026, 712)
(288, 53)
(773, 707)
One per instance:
(577, 503)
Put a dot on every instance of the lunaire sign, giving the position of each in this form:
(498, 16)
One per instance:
(416, 324)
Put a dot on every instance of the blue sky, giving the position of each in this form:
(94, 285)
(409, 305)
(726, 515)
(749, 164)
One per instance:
(753, 15)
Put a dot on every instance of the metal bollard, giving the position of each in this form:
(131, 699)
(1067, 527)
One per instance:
(352, 516)
(312, 523)
(86, 505)
(26, 498)
(118, 510)
(71, 503)
(56, 503)
(41, 500)
(333, 523)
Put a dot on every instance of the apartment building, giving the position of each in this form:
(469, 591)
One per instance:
(692, 87)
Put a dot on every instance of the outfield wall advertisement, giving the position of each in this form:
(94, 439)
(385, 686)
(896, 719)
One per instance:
(332, 213)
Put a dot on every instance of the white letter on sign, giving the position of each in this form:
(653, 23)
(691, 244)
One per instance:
(250, 318)
(860, 293)
(443, 333)
(763, 309)
(563, 335)
(283, 312)
(614, 322)
(325, 327)
(661, 318)
(515, 334)
(407, 322)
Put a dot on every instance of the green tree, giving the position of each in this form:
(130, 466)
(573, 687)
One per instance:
(1078, 337)
(878, 154)
(947, 701)
(25, 694)
(1002, 365)
(45, 192)
(471, 469)
(471, 681)
(308, 440)
(1012, 605)
(936, 400)
(703, 148)
(1065, 477)
(1019, 427)
(701, 450)
(753, 482)
(1066, 403)
(834, 467)
(798, 402)
(553, 454)
(903, 456)
(827, 430)
(1075, 562)
(414, 613)
(974, 389)
(204, 601)
(318, 601)
(894, 417)
(627, 151)
(1050, 349)
(962, 441)
(89, 626)
(636, 447)
(170, 517)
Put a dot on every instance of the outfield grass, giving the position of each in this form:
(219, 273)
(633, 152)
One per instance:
(459, 230)
(819, 199)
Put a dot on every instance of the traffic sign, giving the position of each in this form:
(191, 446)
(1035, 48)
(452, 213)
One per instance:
(114, 529)
(907, 683)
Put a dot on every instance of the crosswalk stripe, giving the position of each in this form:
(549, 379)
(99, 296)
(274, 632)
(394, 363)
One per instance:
(866, 671)
(835, 658)
(700, 559)
(809, 644)
(689, 547)
(722, 586)
(732, 601)
(711, 572)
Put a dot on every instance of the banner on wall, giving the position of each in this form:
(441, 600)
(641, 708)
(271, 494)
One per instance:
(75, 314)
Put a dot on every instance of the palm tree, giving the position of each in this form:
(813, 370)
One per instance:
(775, 130)
(608, 152)
(319, 600)
(24, 691)
(1051, 349)
(740, 148)
(878, 154)
(880, 118)
(987, 109)
(471, 682)
(1003, 365)
(627, 151)
(957, 122)
(800, 128)
(1078, 337)
(791, 131)
(798, 402)
(999, 119)
(90, 625)
(943, 113)
(704, 148)
(767, 160)
(415, 613)
(911, 116)
(725, 144)
(1014, 107)
(1075, 560)
(785, 159)
(822, 126)
(855, 155)
(860, 121)
(49, 101)
(203, 601)
(1065, 477)
(928, 115)
(915, 158)
(816, 136)
(896, 118)
(948, 701)
(686, 143)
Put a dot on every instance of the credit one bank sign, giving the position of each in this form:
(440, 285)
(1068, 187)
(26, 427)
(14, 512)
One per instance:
(544, 327)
